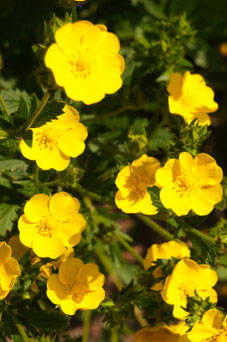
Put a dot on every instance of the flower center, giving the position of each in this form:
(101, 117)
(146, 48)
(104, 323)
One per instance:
(44, 229)
(80, 64)
(139, 185)
(47, 137)
(220, 337)
(76, 291)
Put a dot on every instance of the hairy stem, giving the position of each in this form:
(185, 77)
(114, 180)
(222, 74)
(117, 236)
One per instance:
(155, 227)
(19, 327)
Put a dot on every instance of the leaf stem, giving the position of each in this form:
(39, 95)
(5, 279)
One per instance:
(113, 113)
(86, 328)
(198, 233)
(38, 110)
(129, 248)
(19, 326)
(155, 227)
(6, 111)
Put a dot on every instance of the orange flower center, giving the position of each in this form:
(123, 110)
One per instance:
(139, 185)
(80, 65)
(76, 291)
(186, 290)
(185, 183)
(44, 229)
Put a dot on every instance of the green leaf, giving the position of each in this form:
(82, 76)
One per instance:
(8, 215)
(154, 192)
(163, 138)
(22, 110)
(12, 99)
(13, 168)
(45, 320)
(49, 112)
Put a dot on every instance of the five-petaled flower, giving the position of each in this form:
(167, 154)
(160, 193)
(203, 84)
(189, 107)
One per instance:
(85, 61)
(55, 142)
(191, 98)
(186, 278)
(50, 224)
(190, 183)
(77, 286)
(9, 270)
(166, 250)
(132, 182)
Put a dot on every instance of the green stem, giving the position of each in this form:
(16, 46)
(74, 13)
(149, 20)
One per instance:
(155, 227)
(6, 111)
(86, 328)
(38, 110)
(36, 177)
(198, 233)
(19, 326)
(52, 183)
(109, 268)
(114, 335)
(129, 248)
(113, 113)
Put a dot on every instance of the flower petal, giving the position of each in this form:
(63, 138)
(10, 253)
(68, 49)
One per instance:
(90, 277)
(36, 208)
(69, 269)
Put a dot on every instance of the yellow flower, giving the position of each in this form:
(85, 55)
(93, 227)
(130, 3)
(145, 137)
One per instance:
(9, 270)
(132, 182)
(191, 98)
(190, 183)
(161, 334)
(186, 278)
(223, 49)
(211, 328)
(85, 61)
(77, 286)
(50, 224)
(166, 250)
(18, 249)
(55, 142)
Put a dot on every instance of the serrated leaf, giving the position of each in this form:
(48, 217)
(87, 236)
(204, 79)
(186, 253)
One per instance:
(49, 112)
(154, 193)
(22, 110)
(45, 320)
(8, 215)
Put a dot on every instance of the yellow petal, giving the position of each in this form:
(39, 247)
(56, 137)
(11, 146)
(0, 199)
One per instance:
(90, 277)
(27, 230)
(28, 152)
(47, 246)
(124, 181)
(5, 252)
(63, 207)
(52, 158)
(70, 232)
(71, 142)
(175, 85)
(179, 312)
(56, 291)
(179, 203)
(58, 62)
(206, 277)
(37, 208)
(69, 306)
(69, 269)
(91, 300)
(208, 170)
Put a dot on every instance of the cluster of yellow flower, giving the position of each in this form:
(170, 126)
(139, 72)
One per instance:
(185, 184)
(186, 279)
(86, 63)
